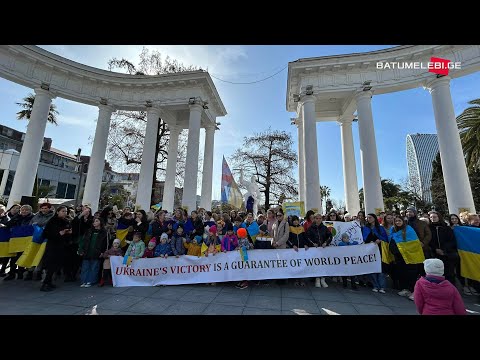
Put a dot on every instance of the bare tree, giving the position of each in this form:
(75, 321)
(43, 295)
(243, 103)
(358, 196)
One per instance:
(270, 158)
(127, 128)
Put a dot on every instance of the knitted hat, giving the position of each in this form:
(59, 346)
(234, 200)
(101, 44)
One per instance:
(153, 241)
(117, 241)
(434, 267)
(198, 239)
(164, 236)
(213, 229)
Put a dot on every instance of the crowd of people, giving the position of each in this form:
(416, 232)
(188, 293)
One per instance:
(79, 243)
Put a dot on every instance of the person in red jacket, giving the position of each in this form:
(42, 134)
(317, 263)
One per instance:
(433, 295)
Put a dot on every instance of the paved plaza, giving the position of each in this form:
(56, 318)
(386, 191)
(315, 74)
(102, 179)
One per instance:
(20, 297)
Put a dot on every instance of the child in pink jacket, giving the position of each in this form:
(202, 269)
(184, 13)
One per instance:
(433, 295)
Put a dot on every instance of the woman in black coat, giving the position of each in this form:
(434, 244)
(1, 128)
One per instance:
(58, 233)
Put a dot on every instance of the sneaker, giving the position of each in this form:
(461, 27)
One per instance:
(323, 282)
(239, 285)
(411, 297)
(404, 292)
(87, 285)
(375, 290)
(466, 290)
(244, 285)
(473, 291)
(382, 291)
(83, 285)
(317, 283)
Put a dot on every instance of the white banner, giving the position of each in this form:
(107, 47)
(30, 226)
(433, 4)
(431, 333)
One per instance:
(352, 228)
(261, 264)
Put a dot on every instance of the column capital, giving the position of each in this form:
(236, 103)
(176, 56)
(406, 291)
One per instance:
(154, 111)
(345, 121)
(210, 126)
(363, 95)
(108, 108)
(307, 98)
(436, 82)
(195, 107)
(43, 92)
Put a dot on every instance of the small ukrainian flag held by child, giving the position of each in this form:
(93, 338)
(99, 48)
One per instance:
(127, 260)
(244, 253)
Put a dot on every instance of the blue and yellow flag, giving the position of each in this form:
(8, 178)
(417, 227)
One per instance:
(127, 260)
(35, 249)
(244, 253)
(387, 256)
(5, 242)
(20, 236)
(230, 191)
(122, 231)
(253, 230)
(468, 245)
(410, 248)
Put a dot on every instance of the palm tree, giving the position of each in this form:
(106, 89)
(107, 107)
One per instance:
(469, 127)
(27, 106)
(324, 193)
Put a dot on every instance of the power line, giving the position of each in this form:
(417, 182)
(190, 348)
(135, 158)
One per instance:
(251, 82)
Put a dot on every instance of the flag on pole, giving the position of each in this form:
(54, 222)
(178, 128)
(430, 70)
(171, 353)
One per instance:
(230, 192)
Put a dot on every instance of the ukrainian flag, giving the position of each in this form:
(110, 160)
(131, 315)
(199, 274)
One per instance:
(5, 242)
(253, 230)
(122, 231)
(127, 260)
(387, 256)
(468, 245)
(410, 248)
(35, 249)
(20, 236)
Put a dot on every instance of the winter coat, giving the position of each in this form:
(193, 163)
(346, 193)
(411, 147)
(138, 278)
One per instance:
(442, 238)
(149, 253)
(163, 249)
(4, 219)
(41, 219)
(177, 245)
(141, 228)
(281, 231)
(193, 248)
(296, 237)
(198, 227)
(56, 243)
(342, 243)
(80, 225)
(158, 228)
(101, 244)
(318, 235)
(19, 220)
(229, 243)
(433, 295)
(138, 249)
(112, 252)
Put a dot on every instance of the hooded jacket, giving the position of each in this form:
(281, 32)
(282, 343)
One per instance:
(433, 295)
(41, 219)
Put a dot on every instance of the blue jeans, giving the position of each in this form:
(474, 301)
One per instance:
(89, 272)
(378, 280)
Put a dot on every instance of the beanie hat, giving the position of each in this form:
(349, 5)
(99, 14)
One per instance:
(213, 229)
(199, 239)
(434, 267)
(153, 241)
(117, 241)
(411, 208)
(164, 236)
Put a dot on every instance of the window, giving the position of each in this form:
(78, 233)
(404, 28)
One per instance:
(8, 187)
(70, 191)
(43, 182)
(61, 189)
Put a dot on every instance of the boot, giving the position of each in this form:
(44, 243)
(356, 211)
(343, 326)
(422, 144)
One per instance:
(101, 283)
(46, 287)
(29, 276)
(323, 282)
(317, 283)
(10, 276)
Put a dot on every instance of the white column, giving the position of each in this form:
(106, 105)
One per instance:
(145, 179)
(206, 199)
(350, 183)
(312, 177)
(169, 186)
(32, 147)
(3, 182)
(372, 187)
(457, 184)
(301, 160)
(189, 198)
(93, 183)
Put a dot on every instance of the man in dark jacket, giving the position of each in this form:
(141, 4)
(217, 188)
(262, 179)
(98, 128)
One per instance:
(318, 235)
(423, 231)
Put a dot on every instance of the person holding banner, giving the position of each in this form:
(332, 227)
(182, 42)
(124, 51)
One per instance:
(318, 235)
(296, 240)
(373, 232)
